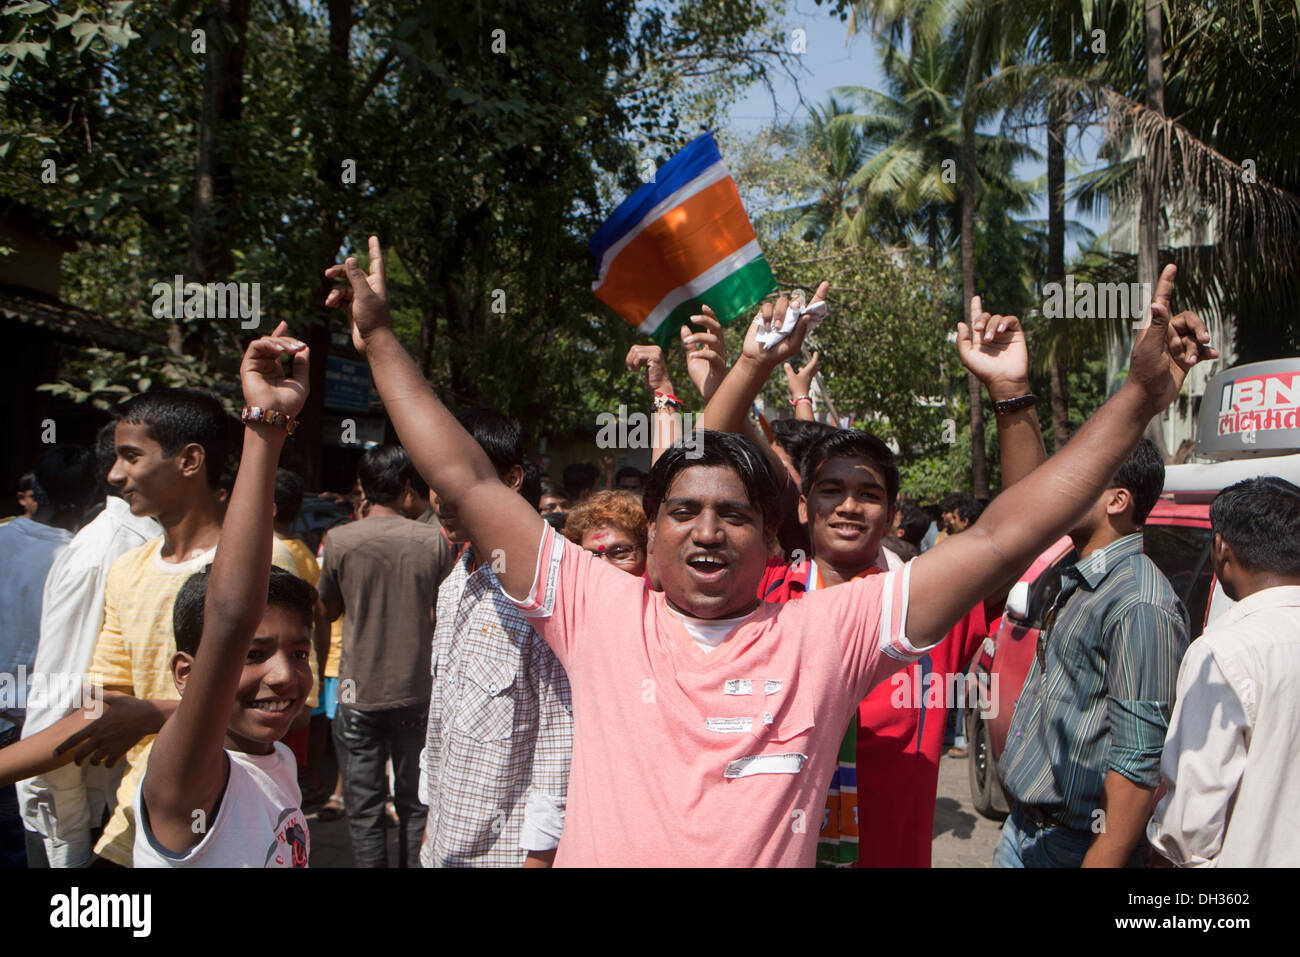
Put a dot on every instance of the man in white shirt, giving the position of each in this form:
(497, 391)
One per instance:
(59, 808)
(1229, 764)
(64, 482)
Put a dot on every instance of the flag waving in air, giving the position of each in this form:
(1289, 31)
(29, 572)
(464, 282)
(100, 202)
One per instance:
(679, 243)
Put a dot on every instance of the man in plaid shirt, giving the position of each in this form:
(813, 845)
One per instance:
(495, 767)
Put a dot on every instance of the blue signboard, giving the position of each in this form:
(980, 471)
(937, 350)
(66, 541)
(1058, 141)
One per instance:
(347, 384)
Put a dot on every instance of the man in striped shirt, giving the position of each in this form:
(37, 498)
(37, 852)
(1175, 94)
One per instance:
(1082, 758)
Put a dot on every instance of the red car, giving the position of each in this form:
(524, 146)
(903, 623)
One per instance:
(1176, 537)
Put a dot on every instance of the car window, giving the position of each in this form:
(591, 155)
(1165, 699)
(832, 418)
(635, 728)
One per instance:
(1183, 553)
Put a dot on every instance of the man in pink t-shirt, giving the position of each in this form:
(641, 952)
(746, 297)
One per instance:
(706, 722)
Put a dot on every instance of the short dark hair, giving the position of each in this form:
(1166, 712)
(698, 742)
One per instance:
(578, 478)
(288, 495)
(629, 471)
(914, 523)
(548, 486)
(105, 457)
(851, 444)
(26, 481)
(497, 435)
(714, 449)
(797, 436)
(177, 417)
(383, 473)
(502, 442)
(966, 507)
(1143, 475)
(66, 474)
(283, 590)
(1259, 519)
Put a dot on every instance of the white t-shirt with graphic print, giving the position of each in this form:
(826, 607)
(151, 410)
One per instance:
(258, 820)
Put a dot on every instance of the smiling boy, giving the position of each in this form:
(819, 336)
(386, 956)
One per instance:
(220, 789)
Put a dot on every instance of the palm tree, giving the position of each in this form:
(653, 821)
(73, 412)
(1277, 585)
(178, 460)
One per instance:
(984, 40)
(841, 151)
(908, 183)
(1229, 75)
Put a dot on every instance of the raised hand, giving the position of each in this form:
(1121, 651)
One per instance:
(263, 377)
(706, 353)
(365, 297)
(800, 382)
(651, 359)
(994, 349)
(770, 317)
(1168, 347)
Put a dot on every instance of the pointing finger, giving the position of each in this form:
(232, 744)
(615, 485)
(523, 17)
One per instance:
(377, 266)
(1165, 287)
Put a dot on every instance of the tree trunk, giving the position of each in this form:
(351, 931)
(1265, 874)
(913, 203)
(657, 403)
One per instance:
(934, 236)
(428, 330)
(212, 216)
(1149, 210)
(1056, 131)
(339, 113)
(978, 456)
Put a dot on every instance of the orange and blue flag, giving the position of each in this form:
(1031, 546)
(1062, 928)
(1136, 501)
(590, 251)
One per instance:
(679, 243)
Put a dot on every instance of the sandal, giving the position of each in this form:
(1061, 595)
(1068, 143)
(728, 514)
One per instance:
(331, 811)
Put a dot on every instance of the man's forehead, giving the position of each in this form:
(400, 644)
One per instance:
(134, 434)
(852, 469)
(711, 481)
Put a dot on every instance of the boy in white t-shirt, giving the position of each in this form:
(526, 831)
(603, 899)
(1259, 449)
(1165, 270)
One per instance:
(220, 790)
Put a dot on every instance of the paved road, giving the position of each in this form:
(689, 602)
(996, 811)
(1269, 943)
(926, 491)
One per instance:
(962, 837)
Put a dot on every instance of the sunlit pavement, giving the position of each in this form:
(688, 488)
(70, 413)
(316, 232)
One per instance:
(962, 836)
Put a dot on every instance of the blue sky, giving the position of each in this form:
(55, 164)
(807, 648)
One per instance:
(831, 60)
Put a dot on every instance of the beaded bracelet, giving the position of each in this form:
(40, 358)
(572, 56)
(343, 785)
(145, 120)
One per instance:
(802, 398)
(254, 413)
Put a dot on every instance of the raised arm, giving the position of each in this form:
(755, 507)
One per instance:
(187, 770)
(800, 386)
(727, 409)
(706, 353)
(728, 406)
(666, 422)
(950, 578)
(500, 522)
(994, 349)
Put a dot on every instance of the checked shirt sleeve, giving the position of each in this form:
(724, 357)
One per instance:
(548, 788)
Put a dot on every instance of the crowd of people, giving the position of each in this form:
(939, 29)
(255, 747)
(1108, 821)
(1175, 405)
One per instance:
(726, 661)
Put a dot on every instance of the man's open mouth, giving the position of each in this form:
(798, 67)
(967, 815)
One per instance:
(708, 566)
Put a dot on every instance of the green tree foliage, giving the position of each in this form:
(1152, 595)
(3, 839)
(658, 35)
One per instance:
(484, 144)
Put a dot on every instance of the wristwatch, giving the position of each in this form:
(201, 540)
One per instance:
(1016, 404)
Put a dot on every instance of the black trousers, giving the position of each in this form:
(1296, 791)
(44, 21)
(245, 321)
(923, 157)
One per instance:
(365, 740)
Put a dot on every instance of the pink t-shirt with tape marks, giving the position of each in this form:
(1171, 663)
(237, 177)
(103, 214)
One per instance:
(683, 757)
